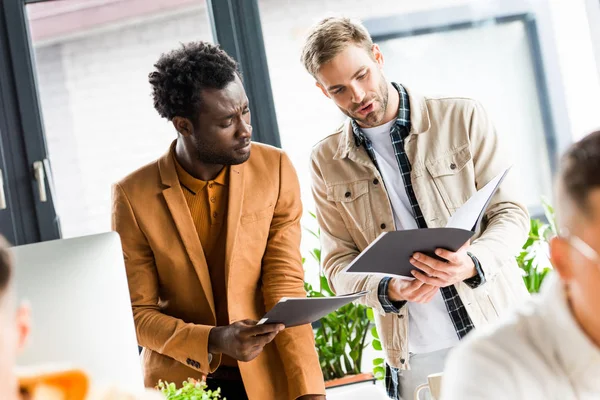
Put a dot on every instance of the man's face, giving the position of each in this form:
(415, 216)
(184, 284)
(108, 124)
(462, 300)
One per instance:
(355, 82)
(222, 133)
(14, 327)
(579, 271)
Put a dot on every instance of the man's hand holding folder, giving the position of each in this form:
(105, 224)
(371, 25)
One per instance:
(436, 257)
(458, 267)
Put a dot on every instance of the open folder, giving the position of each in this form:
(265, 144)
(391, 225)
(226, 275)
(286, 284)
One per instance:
(294, 311)
(390, 253)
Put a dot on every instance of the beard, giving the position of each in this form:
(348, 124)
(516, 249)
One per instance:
(375, 117)
(207, 153)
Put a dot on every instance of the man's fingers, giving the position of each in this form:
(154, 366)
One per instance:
(430, 271)
(260, 341)
(430, 280)
(447, 255)
(430, 262)
(264, 329)
(425, 293)
(411, 288)
(428, 297)
(263, 340)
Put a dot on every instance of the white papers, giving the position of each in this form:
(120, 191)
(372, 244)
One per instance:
(467, 216)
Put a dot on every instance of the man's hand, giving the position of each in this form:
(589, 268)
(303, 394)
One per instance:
(414, 291)
(242, 340)
(459, 266)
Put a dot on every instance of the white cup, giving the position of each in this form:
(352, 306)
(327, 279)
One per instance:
(434, 384)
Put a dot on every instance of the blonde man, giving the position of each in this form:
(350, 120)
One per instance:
(550, 349)
(404, 161)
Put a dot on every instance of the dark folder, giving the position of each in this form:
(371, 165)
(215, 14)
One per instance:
(305, 310)
(390, 253)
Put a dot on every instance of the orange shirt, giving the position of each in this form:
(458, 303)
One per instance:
(207, 201)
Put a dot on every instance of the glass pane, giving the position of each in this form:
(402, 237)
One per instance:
(92, 59)
(472, 62)
(455, 48)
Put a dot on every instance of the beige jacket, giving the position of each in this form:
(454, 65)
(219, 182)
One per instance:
(454, 151)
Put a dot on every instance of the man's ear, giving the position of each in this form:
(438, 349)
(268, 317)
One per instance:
(183, 126)
(560, 251)
(377, 55)
(322, 89)
(23, 317)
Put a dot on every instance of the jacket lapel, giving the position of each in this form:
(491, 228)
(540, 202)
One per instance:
(234, 211)
(184, 223)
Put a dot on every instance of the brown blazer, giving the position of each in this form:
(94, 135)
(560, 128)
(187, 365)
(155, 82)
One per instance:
(169, 282)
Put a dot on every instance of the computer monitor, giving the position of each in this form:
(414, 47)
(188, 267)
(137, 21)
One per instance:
(81, 310)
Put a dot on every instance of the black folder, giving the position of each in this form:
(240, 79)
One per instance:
(292, 311)
(390, 253)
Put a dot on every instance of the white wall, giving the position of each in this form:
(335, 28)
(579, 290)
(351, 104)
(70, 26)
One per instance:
(579, 72)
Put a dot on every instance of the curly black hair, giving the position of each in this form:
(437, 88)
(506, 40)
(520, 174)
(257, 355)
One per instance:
(182, 74)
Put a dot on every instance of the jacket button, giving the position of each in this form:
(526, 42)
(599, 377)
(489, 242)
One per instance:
(348, 194)
(382, 226)
(188, 361)
(402, 360)
(401, 316)
(452, 166)
(375, 181)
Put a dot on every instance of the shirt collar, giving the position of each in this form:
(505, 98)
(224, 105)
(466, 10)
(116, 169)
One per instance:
(402, 120)
(575, 351)
(197, 185)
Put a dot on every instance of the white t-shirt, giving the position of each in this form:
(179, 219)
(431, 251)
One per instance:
(429, 325)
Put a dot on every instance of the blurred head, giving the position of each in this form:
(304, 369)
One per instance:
(14, 325)
(198, 88)
(575, 253)
(347, 65)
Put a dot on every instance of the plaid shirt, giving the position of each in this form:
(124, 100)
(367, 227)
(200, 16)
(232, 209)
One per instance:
(456, 309)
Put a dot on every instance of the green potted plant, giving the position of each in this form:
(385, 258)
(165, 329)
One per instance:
(340, 337)
(533, 259)
(190, 390)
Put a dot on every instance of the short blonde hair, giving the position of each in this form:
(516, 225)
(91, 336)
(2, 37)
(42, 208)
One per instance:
(329, 38)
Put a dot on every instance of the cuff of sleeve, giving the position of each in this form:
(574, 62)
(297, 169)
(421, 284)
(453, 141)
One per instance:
(388, 305)
(479, 279)
(202, 360)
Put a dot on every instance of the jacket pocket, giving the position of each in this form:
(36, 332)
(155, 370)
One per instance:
(250, 217)
(352, 201)
(453, 176)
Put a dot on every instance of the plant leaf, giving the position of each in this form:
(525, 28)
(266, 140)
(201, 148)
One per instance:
(370, 315)
(374, 332)
(377, 344)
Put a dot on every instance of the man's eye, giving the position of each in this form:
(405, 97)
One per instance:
(246, 110)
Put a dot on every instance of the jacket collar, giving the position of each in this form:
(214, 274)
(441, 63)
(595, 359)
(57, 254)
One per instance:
(419, 123)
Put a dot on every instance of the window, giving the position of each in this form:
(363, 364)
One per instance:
(92, 60)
